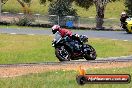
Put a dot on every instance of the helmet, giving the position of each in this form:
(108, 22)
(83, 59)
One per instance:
(123, 13)
(55, 28)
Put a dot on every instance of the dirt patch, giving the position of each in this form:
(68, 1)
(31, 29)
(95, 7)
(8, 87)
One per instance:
(13, 71)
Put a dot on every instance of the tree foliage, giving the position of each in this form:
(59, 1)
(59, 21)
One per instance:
(128, 4)
(62, 8)
(100, 9)
(87, 3)
(44, 1)
(84, 3)
(27, 1)
(3, 2)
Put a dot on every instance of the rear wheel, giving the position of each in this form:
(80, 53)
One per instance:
(62, 54)
(91, 53)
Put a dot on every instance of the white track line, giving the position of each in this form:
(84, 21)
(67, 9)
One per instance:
(13, 33)
(125, 40)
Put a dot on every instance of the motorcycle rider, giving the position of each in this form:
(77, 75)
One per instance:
(123, 18)
(61, 32)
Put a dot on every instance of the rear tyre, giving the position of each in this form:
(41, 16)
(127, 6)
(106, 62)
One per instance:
(62, 54)
(91, 53)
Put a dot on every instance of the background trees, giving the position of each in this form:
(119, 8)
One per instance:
(128, 4)
(25, 5)
(61, 8)
(3, 2)
(100, 9)
(99, 4)
(57, 8)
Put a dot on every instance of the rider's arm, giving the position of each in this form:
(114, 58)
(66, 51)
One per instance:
(57, 36)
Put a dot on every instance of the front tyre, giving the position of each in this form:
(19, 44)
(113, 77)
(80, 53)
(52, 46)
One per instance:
(91, 53)
(62, 54)
(128, 31)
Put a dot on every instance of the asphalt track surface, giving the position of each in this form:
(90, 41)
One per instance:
(114, 35)
(101, 60)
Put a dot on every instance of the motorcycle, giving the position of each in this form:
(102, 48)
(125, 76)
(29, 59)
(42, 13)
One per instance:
(129, 25)
(67, 49)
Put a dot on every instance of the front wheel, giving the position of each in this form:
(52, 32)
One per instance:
(62, 54)
(128, 31)
(91, 53)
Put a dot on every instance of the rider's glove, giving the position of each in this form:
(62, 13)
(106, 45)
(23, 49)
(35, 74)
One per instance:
(53, 43)
(77, 35)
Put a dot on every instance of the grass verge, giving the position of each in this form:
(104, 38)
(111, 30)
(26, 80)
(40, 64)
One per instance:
(62, 79)
(37, 48)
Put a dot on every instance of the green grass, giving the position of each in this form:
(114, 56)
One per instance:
(62, 79)
(34, 8)
(110, 48)
(37, 48)
(24, 49)
(112, 10)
